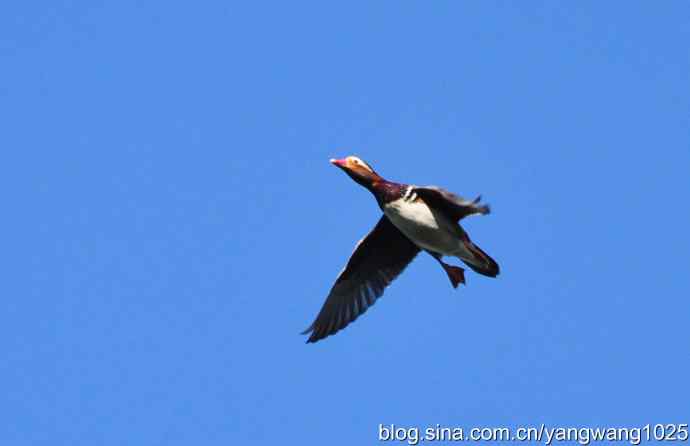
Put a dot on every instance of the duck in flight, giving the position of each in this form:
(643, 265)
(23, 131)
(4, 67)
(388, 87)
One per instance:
(414, 219)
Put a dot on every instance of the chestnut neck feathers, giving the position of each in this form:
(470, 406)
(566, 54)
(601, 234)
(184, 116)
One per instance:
(387, 191)
(383, 190)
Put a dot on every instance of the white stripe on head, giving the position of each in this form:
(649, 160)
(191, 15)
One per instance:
(358, 162)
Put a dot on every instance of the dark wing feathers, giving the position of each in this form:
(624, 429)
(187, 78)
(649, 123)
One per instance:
(453, 205)
(376, 261)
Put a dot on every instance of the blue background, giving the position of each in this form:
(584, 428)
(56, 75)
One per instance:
(171, 222)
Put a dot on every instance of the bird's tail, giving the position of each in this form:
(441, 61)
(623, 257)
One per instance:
(480, 261)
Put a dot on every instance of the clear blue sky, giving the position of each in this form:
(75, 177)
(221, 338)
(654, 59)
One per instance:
(171, 222)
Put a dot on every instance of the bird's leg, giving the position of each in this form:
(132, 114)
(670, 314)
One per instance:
(455, 273)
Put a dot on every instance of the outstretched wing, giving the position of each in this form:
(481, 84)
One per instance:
(452, 205)
(376, 261)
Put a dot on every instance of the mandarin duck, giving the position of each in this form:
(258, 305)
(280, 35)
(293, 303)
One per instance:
(414, 219)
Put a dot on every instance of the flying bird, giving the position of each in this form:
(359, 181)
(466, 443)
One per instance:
(414, 219)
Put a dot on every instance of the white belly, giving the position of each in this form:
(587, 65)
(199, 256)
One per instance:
(427, 228)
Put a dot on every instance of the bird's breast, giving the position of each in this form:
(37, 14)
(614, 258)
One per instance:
(423, 225)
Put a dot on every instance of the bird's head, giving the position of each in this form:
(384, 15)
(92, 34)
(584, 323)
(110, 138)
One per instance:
(358, 170)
